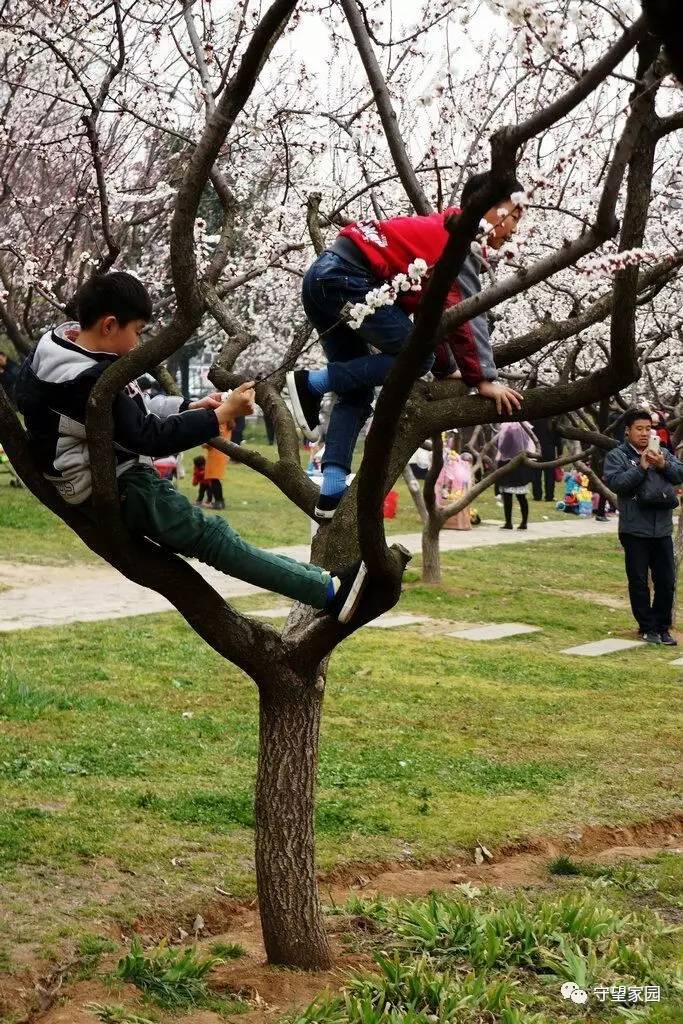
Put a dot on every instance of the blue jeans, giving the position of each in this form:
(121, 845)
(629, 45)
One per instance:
(354, 370)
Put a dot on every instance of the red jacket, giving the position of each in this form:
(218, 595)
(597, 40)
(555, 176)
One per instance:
(390, 245)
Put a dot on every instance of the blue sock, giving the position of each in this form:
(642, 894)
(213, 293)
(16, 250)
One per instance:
(319, 381)
(334, 480)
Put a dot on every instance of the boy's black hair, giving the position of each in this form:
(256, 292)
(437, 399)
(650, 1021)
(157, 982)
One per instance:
(199, 460)
(117, 294)
(632, 415)
(475, 182)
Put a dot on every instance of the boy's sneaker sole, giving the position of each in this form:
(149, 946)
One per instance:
(348, 609)
(312, 433)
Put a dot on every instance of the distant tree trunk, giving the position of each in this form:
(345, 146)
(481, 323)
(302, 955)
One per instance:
(415, 493)
(678, 555)
(291, 915)
(431, 554)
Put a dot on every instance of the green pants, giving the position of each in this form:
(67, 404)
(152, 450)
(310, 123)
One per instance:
(152, 507)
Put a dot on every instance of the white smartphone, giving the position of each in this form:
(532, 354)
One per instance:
(655, 443)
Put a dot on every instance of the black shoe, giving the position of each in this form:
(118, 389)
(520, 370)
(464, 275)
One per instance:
(601, 519)
(218, 506)
(666, 638)
(522, 526)
(327, 505)
(506, 526)
(345, 602)
(650, 637)
(305, 405)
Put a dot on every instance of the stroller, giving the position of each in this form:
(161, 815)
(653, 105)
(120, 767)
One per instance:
(6, 468)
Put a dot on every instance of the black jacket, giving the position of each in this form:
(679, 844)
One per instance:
(624, 474)
(52, 392)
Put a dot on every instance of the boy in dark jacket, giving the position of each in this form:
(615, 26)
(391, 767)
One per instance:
(645, 530)
(363, 257)
(54, 385)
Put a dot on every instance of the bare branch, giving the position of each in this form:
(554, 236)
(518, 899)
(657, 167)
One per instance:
(385, 108)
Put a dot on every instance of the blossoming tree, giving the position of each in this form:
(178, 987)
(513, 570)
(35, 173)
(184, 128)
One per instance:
(198, 148)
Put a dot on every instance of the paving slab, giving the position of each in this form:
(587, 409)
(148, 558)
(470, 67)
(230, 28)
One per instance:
(40, 595)
(600, 647)
(390, 621)
(495, 631)
(678, 661)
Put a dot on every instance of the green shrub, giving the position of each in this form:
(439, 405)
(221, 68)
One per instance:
(173, 977)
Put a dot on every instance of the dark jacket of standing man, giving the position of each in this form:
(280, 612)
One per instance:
(645, 528)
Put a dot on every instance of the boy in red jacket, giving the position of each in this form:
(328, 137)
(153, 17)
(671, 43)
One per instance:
(362, 258)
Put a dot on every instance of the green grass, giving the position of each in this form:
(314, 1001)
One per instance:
(227, 950)
(255, 508)
(128, 749)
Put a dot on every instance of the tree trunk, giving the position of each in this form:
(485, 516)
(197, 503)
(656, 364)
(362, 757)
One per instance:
(678, 554)
(291, 916)
(431, 555)
(185, 376)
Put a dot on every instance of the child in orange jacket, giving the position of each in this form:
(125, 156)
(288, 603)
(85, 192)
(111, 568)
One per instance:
(214, 471)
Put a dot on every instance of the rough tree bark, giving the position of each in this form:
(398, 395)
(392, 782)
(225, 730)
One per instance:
(290, 707)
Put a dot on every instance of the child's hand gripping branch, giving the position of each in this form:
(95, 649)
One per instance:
(506, 398)
(239, 402)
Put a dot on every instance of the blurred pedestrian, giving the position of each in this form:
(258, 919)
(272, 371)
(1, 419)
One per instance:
(512, 440)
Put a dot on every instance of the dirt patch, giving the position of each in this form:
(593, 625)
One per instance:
(273, 991)
(664, 833)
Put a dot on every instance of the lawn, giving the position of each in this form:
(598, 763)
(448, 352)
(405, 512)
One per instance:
(128, 750)
(256, 509)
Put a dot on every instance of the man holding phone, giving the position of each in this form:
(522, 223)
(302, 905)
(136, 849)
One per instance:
(644, 478)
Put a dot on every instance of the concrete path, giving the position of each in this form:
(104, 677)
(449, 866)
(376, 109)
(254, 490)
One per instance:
(53, 596)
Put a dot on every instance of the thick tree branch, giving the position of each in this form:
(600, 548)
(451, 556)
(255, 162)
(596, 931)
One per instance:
(313, 222)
